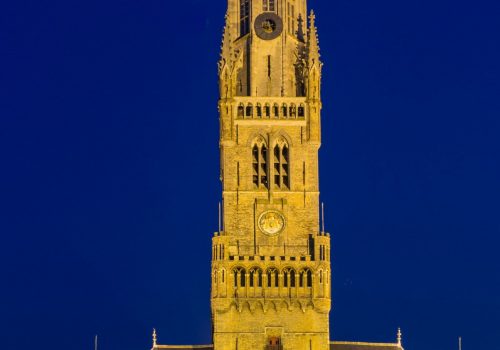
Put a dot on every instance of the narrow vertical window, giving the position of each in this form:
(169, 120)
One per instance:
(284, 111)
(301, 111)
(292, 278)
(259, 164)
(263, 166)
(285, 167)
(277, 166)
(252, 274)
(281, 164)
(243, 278)
(244, 17)
(249, 110)
(269, 66)
(255, 165)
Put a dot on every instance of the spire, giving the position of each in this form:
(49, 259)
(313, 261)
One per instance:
(226, 46)
(400, 337)
(312, 40)
(154, 338)
(300, 29)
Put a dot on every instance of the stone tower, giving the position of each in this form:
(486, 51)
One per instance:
(271, 260)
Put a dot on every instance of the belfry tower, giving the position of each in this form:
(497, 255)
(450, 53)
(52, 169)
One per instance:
(271, 273)
(271, 259)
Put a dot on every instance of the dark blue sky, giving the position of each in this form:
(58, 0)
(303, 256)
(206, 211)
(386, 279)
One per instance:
(109, 170)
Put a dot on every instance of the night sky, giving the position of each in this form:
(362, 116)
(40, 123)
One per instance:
(109, 177)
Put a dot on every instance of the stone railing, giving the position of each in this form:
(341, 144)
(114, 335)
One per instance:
(267, 108)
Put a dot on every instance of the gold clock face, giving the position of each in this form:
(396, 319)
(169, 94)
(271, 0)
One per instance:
(271, 222)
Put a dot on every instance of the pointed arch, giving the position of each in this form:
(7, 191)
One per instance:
(281, 163)
(260, 170)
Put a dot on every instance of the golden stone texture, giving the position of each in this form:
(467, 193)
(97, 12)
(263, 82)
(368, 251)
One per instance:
(271, 281)
(271, 262)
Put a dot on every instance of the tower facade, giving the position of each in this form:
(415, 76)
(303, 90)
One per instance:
(271, 259)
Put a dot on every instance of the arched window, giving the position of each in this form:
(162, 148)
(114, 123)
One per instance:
(301, 111)
(259, 164)
(320, 276)
(268, 5)
(289, 278)
(276, 111)
(272, 278)
(284, 111)
(223, 276)
(241, 110)
(292, 278)
(249, 110)
(244, 17)
(309, 278)
(281, 164)
(259, 110)
(293, 111)
(305, 278)
(255, 277)
(239, 277)
(268, 110)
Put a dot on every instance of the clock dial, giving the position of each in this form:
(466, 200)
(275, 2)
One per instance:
(268, 26)
(271, 222)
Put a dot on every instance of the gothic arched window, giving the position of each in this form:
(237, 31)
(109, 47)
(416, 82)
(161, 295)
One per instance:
(281, 164)
(305, 278)
(239, 277)
(244, 17)
(255, 277)
(259, 164)
(289, 278)
(272, 278)
(309, 278)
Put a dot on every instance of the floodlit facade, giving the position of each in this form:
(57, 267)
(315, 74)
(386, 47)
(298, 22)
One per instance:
(271, 269)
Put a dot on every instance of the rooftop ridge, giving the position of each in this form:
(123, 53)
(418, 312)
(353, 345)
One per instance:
(183, 346)
(365, 344)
